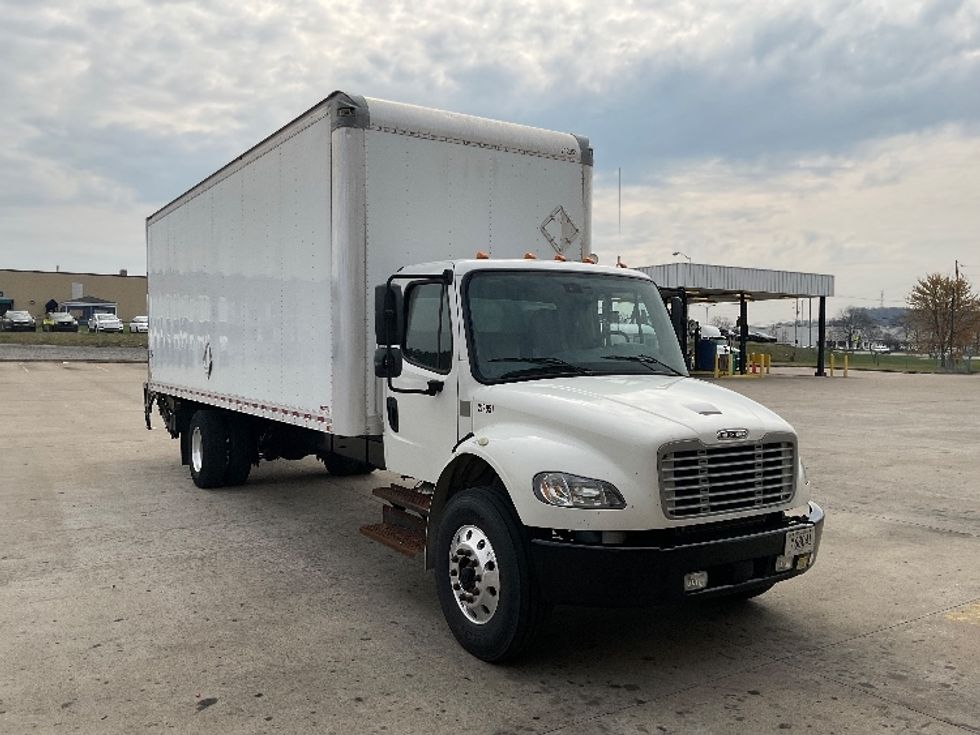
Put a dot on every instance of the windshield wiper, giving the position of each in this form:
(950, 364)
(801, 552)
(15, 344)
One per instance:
(543, 365)
(645, 360)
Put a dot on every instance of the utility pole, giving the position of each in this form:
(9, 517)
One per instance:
(796, 323)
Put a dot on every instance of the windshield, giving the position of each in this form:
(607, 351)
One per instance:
(18, 314)
(535, 324)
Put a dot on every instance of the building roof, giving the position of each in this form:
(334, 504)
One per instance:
(88, 301)
(705, 282)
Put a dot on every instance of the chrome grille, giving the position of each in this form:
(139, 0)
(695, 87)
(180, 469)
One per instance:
(699, 480)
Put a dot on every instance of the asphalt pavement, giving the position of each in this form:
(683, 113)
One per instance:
(131, 601)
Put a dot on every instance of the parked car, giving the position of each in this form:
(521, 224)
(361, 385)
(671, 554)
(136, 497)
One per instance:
(59, 321)
(103, 322)
(18, 321)
(756, 336)
(879, 349)
(139, 324)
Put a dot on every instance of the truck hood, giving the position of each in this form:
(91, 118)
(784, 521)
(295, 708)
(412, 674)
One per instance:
(642, 408)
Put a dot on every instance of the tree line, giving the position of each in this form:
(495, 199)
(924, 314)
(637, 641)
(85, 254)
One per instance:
(942, 319)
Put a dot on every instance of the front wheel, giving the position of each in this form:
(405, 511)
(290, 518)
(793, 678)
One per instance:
(484, 578)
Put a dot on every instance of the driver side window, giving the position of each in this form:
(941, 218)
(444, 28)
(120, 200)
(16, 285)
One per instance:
(428, 332)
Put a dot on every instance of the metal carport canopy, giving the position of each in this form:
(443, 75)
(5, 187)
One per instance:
(703, 282)
(696, 282)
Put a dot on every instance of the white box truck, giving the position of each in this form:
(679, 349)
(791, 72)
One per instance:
(322, 295)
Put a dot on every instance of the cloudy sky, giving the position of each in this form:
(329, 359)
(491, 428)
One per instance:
(835, 137)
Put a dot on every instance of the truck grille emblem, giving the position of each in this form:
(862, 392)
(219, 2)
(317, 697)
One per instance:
(730, 434)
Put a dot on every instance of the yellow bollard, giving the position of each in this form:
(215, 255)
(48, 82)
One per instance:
(768, 363)
(831, 364)
(717, 373)
(845, 364)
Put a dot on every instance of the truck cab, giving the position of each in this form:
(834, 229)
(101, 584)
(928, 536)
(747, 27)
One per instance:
(546, 410)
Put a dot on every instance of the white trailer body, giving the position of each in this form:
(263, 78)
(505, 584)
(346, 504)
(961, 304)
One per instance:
(261, 277)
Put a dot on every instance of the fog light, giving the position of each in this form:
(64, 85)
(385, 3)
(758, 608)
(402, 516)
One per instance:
(803, 562)
(695, 581)
(784, 563)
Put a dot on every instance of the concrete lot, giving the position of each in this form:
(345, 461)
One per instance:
(131, 601)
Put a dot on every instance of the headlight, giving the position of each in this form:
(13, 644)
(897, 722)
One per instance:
(572, 491)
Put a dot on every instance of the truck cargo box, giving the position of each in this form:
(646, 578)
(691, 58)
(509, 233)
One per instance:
(261, 277)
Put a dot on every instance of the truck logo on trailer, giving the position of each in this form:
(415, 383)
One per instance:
(559, 230)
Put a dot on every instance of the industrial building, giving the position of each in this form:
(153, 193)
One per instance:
(31, 291)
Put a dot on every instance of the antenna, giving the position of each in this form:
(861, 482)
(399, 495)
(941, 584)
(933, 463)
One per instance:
(619, 175)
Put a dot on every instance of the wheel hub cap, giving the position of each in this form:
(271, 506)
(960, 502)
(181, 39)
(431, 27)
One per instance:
(197, 450)
(473, 574)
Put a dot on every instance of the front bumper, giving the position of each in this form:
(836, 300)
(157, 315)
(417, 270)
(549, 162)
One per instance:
(608, 576)
(21, 327)
(63, 327)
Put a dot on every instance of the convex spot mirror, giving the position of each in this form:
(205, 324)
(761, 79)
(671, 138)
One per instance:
(387, 362)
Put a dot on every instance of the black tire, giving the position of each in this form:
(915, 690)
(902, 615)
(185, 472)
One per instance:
(345, 466)
(518, 610)
(208, 448)
(239, 451)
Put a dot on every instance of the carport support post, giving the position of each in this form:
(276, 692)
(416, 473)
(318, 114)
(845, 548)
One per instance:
(821, 337)
(683, 335)
(743, 332)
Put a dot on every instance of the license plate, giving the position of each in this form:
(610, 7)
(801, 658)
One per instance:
(799, 541)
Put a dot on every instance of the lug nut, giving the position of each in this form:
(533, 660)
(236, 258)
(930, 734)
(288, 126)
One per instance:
(456, 586)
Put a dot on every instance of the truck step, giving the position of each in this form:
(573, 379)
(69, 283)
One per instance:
(405, 499)
(398, 517)
(407, 542)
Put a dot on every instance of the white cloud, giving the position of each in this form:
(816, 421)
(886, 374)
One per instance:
(878, 219)
(750, 124)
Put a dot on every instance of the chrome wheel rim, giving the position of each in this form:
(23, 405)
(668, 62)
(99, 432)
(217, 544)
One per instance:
(197, 449)
(473, 574)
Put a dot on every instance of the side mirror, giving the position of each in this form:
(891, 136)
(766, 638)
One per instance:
(388, 315)
(387, 362)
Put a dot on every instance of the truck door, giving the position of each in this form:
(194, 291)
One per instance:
(421, 430)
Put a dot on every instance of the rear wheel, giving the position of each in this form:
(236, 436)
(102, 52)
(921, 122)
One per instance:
(483, 576)
(208, 448)
(345, 466)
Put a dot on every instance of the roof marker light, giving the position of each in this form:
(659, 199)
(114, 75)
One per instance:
(482, 255)
(590, 259)
(560, 257)
(530, 256)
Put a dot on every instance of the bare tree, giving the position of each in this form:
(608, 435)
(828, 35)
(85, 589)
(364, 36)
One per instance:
(945, 313)
(853, 324)
(722, 322)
